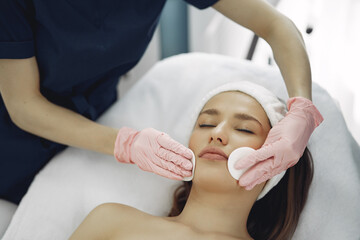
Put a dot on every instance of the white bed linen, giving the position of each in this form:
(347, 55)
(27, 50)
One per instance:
(76, 181)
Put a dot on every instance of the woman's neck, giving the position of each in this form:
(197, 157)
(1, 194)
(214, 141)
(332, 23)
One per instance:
(224, 213)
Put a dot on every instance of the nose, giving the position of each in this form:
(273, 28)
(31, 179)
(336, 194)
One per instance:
(219, 135)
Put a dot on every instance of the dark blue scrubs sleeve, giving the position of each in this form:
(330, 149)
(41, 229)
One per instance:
(201, 4)
(16, 29)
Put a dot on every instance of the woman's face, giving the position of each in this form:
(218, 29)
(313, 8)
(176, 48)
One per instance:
(228, 121)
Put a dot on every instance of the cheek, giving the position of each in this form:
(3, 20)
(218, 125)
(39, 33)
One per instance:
(253, 141)
(194, 141)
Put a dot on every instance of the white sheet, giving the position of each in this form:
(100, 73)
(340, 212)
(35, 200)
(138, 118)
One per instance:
(75, 181)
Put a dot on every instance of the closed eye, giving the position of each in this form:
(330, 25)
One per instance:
(245, 130)
(206, 125)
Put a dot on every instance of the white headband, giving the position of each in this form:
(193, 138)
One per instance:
(274, 109)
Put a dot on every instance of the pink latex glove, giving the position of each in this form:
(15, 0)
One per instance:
(153, 151)
(284, 145)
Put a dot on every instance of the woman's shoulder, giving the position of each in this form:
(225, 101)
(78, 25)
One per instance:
(118, 221)
(124, 222)
(106, 221)
(130, 223)
(119, 213)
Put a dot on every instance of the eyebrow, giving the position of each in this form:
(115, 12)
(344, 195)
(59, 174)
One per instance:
(241, 116)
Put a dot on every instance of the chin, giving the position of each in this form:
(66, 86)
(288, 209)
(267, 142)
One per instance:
(214, 175)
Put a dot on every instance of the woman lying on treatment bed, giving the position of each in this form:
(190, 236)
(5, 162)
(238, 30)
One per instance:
(213, 205)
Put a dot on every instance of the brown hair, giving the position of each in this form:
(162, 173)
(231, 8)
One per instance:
(276, 215)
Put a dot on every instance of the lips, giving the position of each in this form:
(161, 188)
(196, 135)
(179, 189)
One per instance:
(213, 153)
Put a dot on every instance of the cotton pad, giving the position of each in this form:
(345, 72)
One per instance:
(236, 155)
(237, 173)
(193, 170)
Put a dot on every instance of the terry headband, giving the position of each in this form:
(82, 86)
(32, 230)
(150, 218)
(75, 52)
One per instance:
(274, 109)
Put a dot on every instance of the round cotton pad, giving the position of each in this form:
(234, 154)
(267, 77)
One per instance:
(193, 162)
(236, 155)
(235, 173)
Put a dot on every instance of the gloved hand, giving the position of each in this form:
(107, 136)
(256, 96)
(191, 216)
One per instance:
(153, 151)
(284, 144)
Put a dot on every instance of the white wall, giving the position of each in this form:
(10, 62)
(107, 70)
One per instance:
(333, 49)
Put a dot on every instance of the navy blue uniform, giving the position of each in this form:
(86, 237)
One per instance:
(82, 48)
